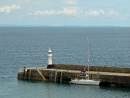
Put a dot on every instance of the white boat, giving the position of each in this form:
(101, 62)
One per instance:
(85, 80)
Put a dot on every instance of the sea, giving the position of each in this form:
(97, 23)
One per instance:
(28, 46)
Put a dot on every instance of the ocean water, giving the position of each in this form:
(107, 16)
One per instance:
(28, 46)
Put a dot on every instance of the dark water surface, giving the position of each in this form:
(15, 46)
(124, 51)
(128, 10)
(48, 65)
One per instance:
(28, 46)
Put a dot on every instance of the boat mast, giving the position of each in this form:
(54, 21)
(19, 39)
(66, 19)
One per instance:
(88, 58)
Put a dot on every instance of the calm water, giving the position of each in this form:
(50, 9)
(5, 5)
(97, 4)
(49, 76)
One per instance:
(28, 46)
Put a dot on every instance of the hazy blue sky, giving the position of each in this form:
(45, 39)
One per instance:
(65, 12)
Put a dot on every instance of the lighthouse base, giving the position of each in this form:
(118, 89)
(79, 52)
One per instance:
(50, 66)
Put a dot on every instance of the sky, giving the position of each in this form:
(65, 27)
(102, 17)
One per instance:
(65, 13)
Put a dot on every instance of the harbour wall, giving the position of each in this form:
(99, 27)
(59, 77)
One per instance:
(63, 73)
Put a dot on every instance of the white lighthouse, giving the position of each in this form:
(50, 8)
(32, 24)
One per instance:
(50, 56)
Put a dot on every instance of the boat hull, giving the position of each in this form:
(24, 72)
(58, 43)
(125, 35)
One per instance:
(85, 82)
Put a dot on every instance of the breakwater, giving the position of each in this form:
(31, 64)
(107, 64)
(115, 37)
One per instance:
(62, 73)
